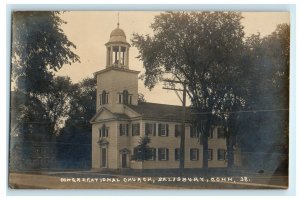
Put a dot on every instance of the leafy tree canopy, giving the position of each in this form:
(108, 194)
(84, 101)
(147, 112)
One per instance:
(39, 46)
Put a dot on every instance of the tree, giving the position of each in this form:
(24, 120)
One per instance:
(141, 97)
(38, 46)
(74, 139)
(141, 151)
(265, 131)
(195, 48)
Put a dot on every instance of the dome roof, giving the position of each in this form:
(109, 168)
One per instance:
(117, 35)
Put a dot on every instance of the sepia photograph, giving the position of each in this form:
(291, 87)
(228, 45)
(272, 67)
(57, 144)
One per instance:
(149, 100)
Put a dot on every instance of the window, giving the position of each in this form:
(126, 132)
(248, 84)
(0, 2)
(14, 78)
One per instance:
(125, 96)
(163, 154)
(123, 129)
(178, 129)
(103, 97)
(193, 132)
(194, 154)
(135, 129)
(222, 154)
(163, 129)
(103, 131)
(150, 129)
(177, 154)
(120, 98)
(221, 132)
(210, 154)
(151, 154)
(137, 154)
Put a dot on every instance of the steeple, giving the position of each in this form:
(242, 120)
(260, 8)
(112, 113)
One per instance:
(117, 49)
(118, 24)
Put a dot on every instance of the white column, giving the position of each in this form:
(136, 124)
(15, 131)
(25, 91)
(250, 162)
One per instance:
(111, 56)
(127, 57)
(107, 56)
(119, 57)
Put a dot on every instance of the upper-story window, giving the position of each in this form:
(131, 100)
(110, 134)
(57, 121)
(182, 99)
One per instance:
(103, 97)
(163, 129)
(135, 129)
(178, 130)
(150, 129)
(103, 131)
(193, 132)
(125, 97)
(124, 128)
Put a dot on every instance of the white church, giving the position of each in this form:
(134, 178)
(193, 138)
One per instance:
(120, 121)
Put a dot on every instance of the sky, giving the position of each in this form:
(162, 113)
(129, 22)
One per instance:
(90, 30)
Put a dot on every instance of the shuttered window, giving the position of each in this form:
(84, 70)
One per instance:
(163, 154)
(163, 129)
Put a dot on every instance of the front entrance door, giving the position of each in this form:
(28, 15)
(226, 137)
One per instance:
(103, 157)
(124, 160)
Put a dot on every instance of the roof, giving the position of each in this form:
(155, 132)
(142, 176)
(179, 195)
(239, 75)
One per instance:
(117, 32)
(117, 35)
(162, 112)
(116, 69)
(121, 116)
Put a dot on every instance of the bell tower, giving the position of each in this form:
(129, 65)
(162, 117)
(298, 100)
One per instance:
(117, 85)
(117, 49)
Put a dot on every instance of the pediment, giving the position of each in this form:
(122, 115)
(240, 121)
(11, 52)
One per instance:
(102, 142)
(124, 151)
(102, 114)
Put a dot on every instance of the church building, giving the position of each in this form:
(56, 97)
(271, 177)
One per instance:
(121, 121)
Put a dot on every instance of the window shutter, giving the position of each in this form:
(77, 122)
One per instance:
(99, 132)
(146, 129)
(167, 129)
(154, 127)
(176, 130)
(127, 129)
(154, 152)
(191, 154)
(107, 131)
(159, 154)
(120, 129)
(159, 131)
(138, 129)
(197, 154)
(132, 129)
(167, 154)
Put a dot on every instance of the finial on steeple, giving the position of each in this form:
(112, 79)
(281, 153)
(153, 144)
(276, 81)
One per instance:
(118, 20)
